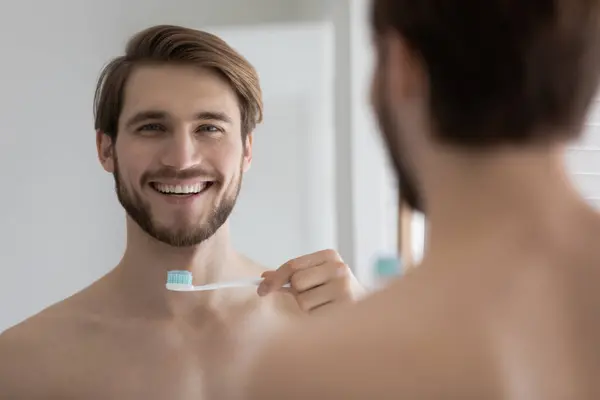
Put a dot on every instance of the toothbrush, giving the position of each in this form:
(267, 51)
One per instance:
(181, 281)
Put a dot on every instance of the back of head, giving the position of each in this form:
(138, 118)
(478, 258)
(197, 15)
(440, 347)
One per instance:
(501, 71)
(169, 44)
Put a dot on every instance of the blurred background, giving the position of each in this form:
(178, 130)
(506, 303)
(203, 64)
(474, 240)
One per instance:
(320, 177)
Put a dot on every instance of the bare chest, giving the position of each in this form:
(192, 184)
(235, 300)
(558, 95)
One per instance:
(136, 363)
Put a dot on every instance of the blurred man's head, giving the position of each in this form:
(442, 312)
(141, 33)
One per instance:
(466, 75)
(174, 121)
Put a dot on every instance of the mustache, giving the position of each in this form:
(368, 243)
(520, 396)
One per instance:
(174, 173)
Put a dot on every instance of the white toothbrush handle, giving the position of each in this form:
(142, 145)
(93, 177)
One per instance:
(232, 284)
(221, 285)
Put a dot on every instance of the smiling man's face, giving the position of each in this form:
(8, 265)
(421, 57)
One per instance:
(179, 156)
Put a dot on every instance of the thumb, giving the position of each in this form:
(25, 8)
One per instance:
(273, 281)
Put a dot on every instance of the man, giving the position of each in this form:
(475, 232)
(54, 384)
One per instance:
(477, 101)
(174, 120)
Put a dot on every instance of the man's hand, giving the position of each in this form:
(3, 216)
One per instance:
(316, 280)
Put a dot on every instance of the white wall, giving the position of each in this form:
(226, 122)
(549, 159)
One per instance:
(583, 159)
(287, 203)
(61, 224)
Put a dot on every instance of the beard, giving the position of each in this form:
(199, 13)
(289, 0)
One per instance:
(184, 236)
(391, 132)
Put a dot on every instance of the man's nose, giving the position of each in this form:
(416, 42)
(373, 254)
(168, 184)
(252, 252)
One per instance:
(181, 151)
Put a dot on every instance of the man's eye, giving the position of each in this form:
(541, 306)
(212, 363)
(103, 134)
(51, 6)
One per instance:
(209, 129)
(151, 128)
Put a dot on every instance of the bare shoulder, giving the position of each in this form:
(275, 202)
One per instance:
(22, 349)
(252, 267)
(317, 357)
(384, 347)
(31, 352)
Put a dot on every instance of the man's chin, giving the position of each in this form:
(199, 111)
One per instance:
(176, 230)
(179, 218)
(179, 237)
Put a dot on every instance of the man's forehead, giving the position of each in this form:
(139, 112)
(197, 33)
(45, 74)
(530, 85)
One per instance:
(178, 90)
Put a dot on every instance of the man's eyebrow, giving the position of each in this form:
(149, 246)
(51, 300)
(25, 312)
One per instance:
(214, 115)
(161, 115)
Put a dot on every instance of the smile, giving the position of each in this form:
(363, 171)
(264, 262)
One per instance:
(181, 189)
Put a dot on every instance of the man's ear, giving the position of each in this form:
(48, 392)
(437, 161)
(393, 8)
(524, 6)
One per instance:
(404, 70)
(247, 152)
(105, 148)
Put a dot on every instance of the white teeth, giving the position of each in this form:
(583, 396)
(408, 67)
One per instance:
(180, 189)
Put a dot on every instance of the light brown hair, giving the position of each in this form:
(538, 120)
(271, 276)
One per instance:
(169, 44)
(501, 71)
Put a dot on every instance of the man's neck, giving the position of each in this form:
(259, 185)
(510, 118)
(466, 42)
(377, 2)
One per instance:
(150, 259)
(139, 279)
(508, 204)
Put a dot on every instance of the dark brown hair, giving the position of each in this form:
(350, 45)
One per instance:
(170, 44)
(501, 71)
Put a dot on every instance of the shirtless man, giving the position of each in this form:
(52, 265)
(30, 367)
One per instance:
(174, 121)
(476, 101)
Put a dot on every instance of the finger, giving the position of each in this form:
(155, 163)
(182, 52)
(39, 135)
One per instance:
(317, 258)
(274, 280)
(315, 276)
(266, 285)
(319, 296)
